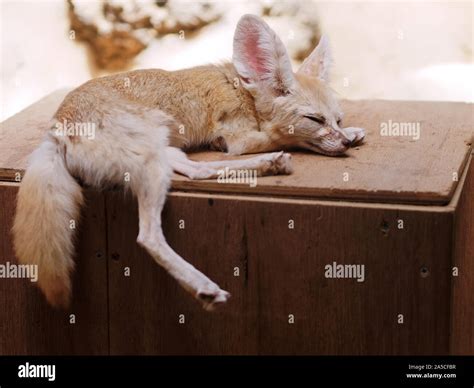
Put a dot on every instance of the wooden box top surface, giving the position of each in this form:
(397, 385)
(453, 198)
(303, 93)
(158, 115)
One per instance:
(386, 169)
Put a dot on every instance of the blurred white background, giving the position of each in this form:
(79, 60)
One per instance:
(398, 50)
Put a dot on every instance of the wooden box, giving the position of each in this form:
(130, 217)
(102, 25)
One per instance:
(400, 206)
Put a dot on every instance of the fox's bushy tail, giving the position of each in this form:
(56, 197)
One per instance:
(47, 211)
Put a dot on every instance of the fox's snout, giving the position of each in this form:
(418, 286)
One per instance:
(345, 140)
(336, 140)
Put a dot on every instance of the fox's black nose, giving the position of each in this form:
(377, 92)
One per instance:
(346, 142)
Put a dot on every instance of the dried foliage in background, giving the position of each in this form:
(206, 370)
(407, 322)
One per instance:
(117, 31)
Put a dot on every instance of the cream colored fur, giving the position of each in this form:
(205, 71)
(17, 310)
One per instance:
(144, 119)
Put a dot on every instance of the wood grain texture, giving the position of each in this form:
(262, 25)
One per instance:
(28, 325)
(342, 316)
(385, 169)
(285, 275)
(462, 311)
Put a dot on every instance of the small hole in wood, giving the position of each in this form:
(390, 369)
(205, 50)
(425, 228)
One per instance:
(115, 256)
(424, 271)
(384, 228)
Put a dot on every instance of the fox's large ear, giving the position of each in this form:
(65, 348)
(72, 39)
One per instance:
(318, 63)
(260, 57)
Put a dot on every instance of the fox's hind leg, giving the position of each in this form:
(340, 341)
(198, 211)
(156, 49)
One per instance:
(151, 195)
(267, 164)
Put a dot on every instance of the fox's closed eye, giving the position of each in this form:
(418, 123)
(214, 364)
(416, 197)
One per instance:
(319, 119)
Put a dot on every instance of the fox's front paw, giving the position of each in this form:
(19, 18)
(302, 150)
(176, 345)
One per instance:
(280, 163)
(357, 135)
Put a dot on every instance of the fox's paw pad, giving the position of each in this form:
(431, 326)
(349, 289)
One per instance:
(360, 135)
(280, 163)
(357, 134)
(212, 297)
